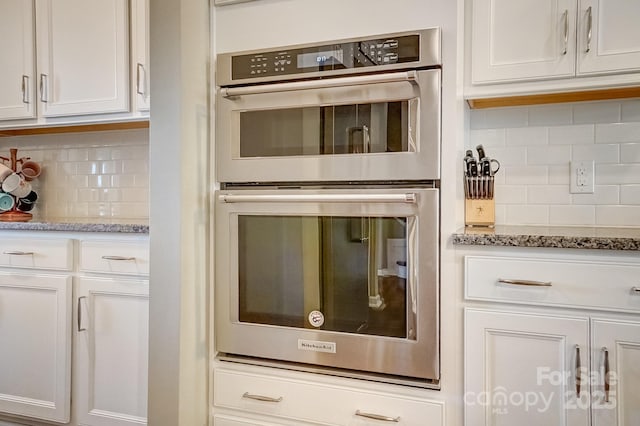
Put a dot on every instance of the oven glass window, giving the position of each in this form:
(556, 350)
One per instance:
(345, 274)
(329, 130)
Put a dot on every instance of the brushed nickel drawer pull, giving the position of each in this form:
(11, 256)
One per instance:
(79, 314)
(578, 371)
(605, 361)
(635, 289)
(261, 397)
(118, 258)
(19, 253)
(525, 282)
(566, 31)
(377, 417)
(589, 29)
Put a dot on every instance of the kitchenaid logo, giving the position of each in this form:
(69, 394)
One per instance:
(316, 346)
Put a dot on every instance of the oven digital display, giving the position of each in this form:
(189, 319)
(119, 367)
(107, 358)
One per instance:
(321, 59)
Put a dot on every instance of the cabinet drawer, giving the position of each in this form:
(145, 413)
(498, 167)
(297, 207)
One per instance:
(573, 283)
(305, 401)
(115, 257)
(36, 253)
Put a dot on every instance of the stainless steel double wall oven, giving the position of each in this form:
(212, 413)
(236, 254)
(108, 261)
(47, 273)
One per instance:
(327, 221)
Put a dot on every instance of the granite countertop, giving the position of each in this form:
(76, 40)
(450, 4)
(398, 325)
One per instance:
(604, 238)
(132, 226)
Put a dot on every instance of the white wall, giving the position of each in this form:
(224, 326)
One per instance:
(102, 175)
(536, 144)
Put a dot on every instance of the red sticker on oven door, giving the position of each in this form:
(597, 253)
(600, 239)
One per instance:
(316, 318)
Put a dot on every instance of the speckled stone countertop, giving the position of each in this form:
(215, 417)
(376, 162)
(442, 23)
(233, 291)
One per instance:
(603, 238)
(131, 226)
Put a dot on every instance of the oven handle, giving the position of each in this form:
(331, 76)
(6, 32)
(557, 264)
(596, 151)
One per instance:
(320, 198)
(410, 76)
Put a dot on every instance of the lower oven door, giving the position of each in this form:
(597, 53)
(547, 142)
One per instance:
(336, 278)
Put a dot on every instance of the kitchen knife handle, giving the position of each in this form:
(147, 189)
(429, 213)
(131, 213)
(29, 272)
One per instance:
(566, 31)
(25, 89)
(525, 282)
(605, 362)
(589, 28)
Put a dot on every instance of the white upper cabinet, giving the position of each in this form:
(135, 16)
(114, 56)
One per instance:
(140, 54)
(608, 36)
(17, 60)
(82, 56)
(522, 39)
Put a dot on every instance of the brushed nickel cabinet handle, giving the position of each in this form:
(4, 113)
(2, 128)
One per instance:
(589, 28)
(19, 253)
(44, 88)
(118, 258)
(635, 289)
(262, 398)
(25, 89)
(79, 316)
(566, 31)
(578, 375)
(377, 417)
(525, 282)
(605, 363)
(140, 72)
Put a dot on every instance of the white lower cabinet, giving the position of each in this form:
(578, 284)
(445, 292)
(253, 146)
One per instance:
(572, 357)
(521, 369)
(35, 345)
(245, 398)
(615, 360)
(111, 352)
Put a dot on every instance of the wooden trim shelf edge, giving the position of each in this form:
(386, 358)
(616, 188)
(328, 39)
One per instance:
(554, 98)
(95, 127)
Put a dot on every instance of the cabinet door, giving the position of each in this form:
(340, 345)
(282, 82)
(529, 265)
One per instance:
(17, 59)
(35, 345)
(140, 63)
(110, 362)
(82, 56)
(617, 344)
(522, 40)
(521, 369)
(608, 36)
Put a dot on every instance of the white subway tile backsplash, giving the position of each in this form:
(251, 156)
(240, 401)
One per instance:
(82, 173)
(548, 155)
(572, 135)
(550, 115)
(617, 174)
(536, 191)
(599, 153)
(630, 153)
(527, 136)
(630, 194)
(488, 137)
(572, 215)
(596, 112)
(631, 110)
(617, 215)
(603, 194)
(618, 133)
(548, 194)
(527, 214)
(526, 175)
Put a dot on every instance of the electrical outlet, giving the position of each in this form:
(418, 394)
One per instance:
(582, 177)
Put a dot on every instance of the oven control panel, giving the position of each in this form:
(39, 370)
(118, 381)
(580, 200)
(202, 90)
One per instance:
(401, 50)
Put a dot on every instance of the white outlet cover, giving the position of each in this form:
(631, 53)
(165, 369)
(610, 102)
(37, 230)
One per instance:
(582, 177)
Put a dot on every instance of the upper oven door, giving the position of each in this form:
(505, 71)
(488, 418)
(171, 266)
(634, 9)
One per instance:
(378, 127)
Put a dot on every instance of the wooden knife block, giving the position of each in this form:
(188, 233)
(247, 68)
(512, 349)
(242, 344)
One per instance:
(479, 212)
